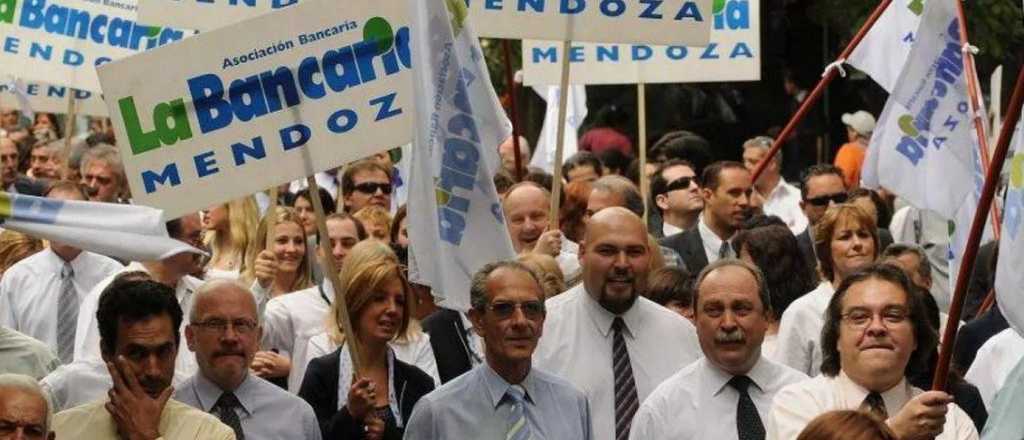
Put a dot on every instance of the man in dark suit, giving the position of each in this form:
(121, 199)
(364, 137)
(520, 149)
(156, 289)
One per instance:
(821, 186)
(456, 348)
(726, 193)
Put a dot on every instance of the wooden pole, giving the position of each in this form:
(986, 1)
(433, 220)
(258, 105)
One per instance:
(331, 269)
(815, 94)
(513, 110)
(641, 99)
(977, 227)
(563, 101)
(271, 218)
(69, 122)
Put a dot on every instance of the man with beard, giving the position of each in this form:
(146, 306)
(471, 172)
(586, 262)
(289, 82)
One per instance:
(607, 339)
(224, 333)
(876, 332)
(139, 339)
(726, 194)
(729, 390)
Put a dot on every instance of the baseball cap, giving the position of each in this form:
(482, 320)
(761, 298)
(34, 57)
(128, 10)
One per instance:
(861, 121)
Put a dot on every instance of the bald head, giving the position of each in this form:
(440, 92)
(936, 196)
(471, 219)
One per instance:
(615, 256)
(507, 151)
(526, 211)
(24, 412)
(615, 219)
(213, 292)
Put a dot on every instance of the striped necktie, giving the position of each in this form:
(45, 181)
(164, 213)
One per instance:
(518, 428)
(67, 315)
(626, 402)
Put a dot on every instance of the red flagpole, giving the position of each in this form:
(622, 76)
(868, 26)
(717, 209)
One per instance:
(513, 110)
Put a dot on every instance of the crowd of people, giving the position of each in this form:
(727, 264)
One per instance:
(710, 306)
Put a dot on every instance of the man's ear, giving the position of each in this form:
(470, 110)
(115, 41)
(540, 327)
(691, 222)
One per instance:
(477, 318)
(190, 336)
(706, 193)
(661, 200)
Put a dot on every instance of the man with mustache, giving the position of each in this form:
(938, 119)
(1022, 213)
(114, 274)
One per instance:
(139, 338)
(604, 336)
(224, 333)
(730, 390)
(875, 332)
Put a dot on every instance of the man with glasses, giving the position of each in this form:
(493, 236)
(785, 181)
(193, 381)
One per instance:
(676, 192)
(224, 333)
(780, 198)
(875, 332)
(506, 397)
(822, 186)
(364, 183)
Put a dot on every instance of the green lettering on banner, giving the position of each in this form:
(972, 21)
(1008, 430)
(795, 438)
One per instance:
(141, 141)
(7, 8)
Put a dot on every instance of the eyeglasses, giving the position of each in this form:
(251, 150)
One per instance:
(372, 187)
(680, 183)
(532, 310)
(828, 198)
(860, 318)
(241, 326)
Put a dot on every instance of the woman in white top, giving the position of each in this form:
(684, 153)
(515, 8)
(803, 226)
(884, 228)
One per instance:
(228, 230)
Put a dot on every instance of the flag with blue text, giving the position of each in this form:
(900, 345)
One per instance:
(1009, 276)
(888, 41)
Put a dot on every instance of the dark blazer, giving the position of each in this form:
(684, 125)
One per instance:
(690, 248)
(320, 389)
(806, 245)
(974, 334)
(448, 339)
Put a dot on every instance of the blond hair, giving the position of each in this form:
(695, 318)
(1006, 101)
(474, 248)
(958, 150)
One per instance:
(15, 246)
(375, 216)
(243, 221)
(259, 244)
(369, 266)
(546, 267)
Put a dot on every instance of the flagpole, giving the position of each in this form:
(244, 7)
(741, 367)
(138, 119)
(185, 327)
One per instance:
(69, 122)
(641, 98)
(815, 95)
(977, 227)
(563, 101)
(271, 218)
(976, 106)
(513, 109)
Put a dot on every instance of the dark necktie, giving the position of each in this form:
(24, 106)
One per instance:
(874, 404)
(626, 402)
(725, 251)
(224, 409)
(748, 421)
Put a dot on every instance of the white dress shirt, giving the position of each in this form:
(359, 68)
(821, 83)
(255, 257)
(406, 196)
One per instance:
(87, 335)
(712, 242)
(799, 341)
(81, 382)
(577, 345)
(569, 259)
(797, 404)
(784, 202)
(993, 363)
(30, 290)
(289, 321)
(701, 392)
(668, 229)
(416, 352)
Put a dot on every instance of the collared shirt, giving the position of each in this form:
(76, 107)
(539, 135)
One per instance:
(668, 229)
(1004, 420)
(30, 290)
(267, 412)
(701, 392)
(712, 242)
(799, 342)
(416, 352)
(177, 422)
(993, 364)
(21, 354)
(87, 335)
(84, 381)
(577, 345)
(471, 407)
(475, 343)
(784, 202)
(796, 405)
(289, 321)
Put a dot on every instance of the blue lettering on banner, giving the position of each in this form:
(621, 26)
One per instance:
(645, 9)
(49, 91)
(96, 28)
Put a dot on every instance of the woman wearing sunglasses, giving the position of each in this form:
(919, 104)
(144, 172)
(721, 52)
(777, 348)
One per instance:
(375, 402)
(846, 239)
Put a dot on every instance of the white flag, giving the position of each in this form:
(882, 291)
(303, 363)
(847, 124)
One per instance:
(1009, 276)
(889, 40)
(129, 232)
(456, 224)
(575, 113)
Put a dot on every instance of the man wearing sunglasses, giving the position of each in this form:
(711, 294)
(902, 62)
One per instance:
(506, 397)
(364, 183)
(822, 186)
(676, 192)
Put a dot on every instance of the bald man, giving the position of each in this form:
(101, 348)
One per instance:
(604, 336)
(526, 206)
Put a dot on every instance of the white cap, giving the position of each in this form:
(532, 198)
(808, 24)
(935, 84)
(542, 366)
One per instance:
(862, 122)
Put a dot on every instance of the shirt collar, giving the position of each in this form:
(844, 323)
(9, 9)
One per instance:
(603, 319)
(780, 189)
(760, 375)
(855, 394)
(668, 229)
(77, 264)
(710, 239)
(497, 387)
(207, 392)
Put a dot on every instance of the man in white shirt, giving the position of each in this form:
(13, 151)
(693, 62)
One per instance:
(526, 206)
(607, 339)
(676, 192)
(993, 364)
(780, 198)
(40, 295)
(730, 390)
(875, 331)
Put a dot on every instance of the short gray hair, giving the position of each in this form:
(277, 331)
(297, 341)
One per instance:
(209, 288)
(105, 153)
(623, 187)
(28, 385)
(478, 287)
(924, 266)
(762, 287)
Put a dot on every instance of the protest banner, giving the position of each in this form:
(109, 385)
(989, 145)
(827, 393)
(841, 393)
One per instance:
(733, 53)
(1009, 277)
(685, 22)
(48, 98)
(259, 103)
(887, 46)
(61, 42)
(544, 151)
(205, 15)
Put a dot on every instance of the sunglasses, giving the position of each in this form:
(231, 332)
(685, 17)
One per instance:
(828, 198)
(680, 183)
(372, 187)
(532, 310)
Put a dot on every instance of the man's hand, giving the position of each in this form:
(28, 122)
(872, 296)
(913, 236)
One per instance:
(265, 268)
(549, 243)
(136, 414)
(268, 364)
(922, 417)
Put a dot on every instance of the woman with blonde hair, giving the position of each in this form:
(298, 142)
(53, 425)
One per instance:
(846, 425)
(546, 268)
(283, 268)
(15, 246)
(376, 401)
(229, 228)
